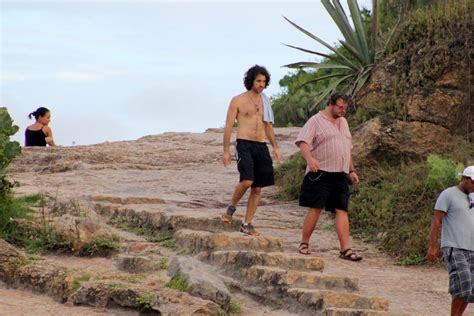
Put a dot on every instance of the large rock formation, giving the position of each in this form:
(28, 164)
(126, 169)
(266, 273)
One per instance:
(392, 140)
(420, 96)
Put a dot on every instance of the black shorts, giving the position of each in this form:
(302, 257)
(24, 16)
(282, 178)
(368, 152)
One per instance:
(254, 163)
(329, 190)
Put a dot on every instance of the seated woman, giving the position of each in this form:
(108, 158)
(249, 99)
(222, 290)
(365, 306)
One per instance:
(39, 134)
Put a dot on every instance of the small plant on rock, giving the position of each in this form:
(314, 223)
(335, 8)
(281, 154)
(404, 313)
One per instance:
(20, 262)
(164, 262)
(77, 281)
(169, 243)
(178, 283)
(234, 308)
(146, 300)
(115, 286)
(101, 245)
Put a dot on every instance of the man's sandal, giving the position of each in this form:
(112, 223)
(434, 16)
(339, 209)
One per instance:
(349, 254)
(304, 248)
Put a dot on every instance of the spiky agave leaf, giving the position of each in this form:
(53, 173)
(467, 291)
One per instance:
(355, 63)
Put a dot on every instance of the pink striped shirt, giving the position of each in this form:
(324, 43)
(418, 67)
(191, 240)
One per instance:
(329, 143)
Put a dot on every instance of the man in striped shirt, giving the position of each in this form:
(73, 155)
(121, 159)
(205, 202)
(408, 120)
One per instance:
(325, 142)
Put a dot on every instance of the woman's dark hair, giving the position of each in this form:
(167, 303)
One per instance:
(252, 73)
(39, 112)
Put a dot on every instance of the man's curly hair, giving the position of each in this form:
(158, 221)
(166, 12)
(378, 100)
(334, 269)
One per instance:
(252, 73)
(336, 96)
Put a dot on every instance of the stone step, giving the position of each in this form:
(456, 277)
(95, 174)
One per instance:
(211, 224)
(245, 259)
(137, 264)
(199, 241)
(164, 221)
(322, 300)
(354, 312)
(40, 277)
(149, 300)
(285, 279)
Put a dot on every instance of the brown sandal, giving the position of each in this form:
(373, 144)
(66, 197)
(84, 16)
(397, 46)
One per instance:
(304, 248)
(349, 254)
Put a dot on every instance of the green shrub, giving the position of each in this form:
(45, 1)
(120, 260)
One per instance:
(443, 172)
(289, 176)
(77, 281)
(178, 283)
(14, 227)
(169, 243)
(42, 240)
(436, 23)
(394, 205)
(146, 300)
(234, 308)
(164, 262)
(8, 149)
(20, 262)
(101, 245)
(12, 208)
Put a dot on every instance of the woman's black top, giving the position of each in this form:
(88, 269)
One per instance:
(35, 138)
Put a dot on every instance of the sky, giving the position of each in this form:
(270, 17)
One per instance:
(120, 70)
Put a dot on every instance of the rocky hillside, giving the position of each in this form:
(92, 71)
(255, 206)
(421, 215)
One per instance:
(161, 197)
(419, 99)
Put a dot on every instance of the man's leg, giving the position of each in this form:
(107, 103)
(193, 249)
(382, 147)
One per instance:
(309, 224)
(458, 306)
(252, 204)
(239, 191)
(342, 228)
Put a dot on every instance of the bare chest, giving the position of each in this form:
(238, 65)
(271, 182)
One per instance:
(250, 109)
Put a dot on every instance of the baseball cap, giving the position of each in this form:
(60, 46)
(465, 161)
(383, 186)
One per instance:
(468, 172)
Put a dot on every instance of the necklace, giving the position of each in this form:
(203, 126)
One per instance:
(257, 104)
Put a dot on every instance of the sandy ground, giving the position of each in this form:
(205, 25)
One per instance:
(185, 171)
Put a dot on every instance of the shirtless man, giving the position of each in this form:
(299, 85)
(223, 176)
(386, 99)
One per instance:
(253, 112)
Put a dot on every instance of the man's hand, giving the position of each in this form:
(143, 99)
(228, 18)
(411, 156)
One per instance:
(354, 177)
(432, 254)
(312, 164)
(277, 155)
(226, 158)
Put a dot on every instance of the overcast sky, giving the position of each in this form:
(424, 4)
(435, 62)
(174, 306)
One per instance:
(118, 70)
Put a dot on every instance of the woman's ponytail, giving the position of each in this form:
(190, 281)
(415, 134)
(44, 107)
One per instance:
(39, 112)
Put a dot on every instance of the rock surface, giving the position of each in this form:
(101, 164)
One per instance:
(394, 141)
(202, 280)
(425, 84)
(169, 183)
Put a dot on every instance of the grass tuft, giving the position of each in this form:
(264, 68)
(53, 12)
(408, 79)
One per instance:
(178, 283)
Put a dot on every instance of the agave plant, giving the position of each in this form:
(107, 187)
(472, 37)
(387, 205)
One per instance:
(352, 66)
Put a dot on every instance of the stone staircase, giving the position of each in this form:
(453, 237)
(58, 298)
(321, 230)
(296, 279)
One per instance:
(260, 267)
(296, 282)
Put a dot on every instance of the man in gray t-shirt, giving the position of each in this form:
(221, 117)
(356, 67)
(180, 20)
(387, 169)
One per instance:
(454, 216)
